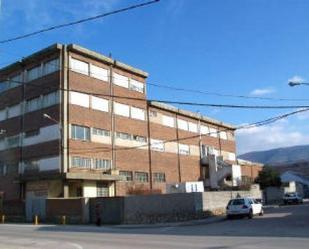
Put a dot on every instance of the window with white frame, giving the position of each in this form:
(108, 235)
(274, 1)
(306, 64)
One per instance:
(182, 124)
(99, 73)
(223, 135)
(231, 156)
(34, 73)
(102, 189)
(184, 149)
(80, 99)
(33, 104)
(81, 162)
(136, 86)
(79, 66)
(157, 145)
(121, 109)
(14, 111)
(168, 121)
(103, 164)
(100, 132)
(124, 136)
(204, 130)
(127, 175)
(137, 113)
(99, 104)
(51, 66)
(120, 80)
(51, 99)
(213, 132)
(192, 127)
(80, 133)
(159, 177)
(141, 177)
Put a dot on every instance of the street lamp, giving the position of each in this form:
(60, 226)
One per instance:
(296, 83)
(45, 115)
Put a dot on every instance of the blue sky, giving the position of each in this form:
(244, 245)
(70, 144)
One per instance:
(242, 47)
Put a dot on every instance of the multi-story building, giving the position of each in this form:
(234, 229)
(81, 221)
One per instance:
(76, 123)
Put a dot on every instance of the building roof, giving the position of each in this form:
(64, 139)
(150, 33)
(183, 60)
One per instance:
(190, 114)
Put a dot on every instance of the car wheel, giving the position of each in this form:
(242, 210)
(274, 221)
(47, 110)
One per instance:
(262, 212)
(250, 215)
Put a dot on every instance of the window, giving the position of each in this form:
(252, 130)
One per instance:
(13, 141)
(98, 73)
(3, 170)
(182, 124)
(168, 121)
(50, 99)
(136, 86)
(137, 113)
(14, 111)
(184, 149)
(51, 66)
(120, 80)
(123, 135)
(223, 135)
(231, 156)
(79, 66)
(121, 109)
(4, 85)
(33, 104)
(127, 175)
(32, 133)
(153, 114)
(213, 132)
(139, 138)
(102, 189)
(141, 176)
(204, 130)
(158, 177)
(157, 145)
(15, 81)
(99, 104)
(81, 162)
(192, 127)
(33, 73)
(100, 132)
(2, 114)
(80, 133)
(102, 164)
(80, 99)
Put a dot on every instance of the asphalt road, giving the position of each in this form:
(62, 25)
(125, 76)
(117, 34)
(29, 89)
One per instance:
(283, 227)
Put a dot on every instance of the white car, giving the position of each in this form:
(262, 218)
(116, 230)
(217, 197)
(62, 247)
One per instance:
(244, 207)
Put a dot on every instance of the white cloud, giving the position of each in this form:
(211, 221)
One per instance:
(262, 91)
(269, 137)
(303, 115)
(296, 79)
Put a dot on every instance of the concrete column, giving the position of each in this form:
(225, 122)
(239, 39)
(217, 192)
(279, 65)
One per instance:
(66, 190)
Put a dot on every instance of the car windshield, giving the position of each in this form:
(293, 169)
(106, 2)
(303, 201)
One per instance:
(238, 202)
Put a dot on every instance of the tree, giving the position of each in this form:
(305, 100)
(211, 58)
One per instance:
(269, 177)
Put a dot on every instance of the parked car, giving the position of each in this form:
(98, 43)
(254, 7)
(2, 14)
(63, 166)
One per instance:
(244, 207)
(290, 198)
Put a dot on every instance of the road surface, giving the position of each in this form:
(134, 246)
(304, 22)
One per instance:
(283, 227)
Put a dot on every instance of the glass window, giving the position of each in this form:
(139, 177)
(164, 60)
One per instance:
(99, 73)
(102, 164)
(13, 141)
(121, 109)
(120, 80)
(33, 104)
(99, 104)
(81, 162)
(4, 85)
(128, 175)
(15, 81)
(136, 86)
(34, 73)
(168, 121)
(123, 135)
(102, 190)
(183, 125)
(80, 133)
(100, 132)
(2, 114)
(80, 99)
(204, 130)
(139, 138)
(14, 111)
(213, 132)
(137, 113)
(157, 145)
(32, 133)
(192, 127)
(141, 176)
(158, 177)
(51, 66)
(223, 135)
(51, 99)
(79, 66)
(184, 149)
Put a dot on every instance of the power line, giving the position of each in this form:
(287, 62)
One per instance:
(78, 21)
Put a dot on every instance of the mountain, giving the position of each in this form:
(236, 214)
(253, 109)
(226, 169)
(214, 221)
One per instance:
(281, 156)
